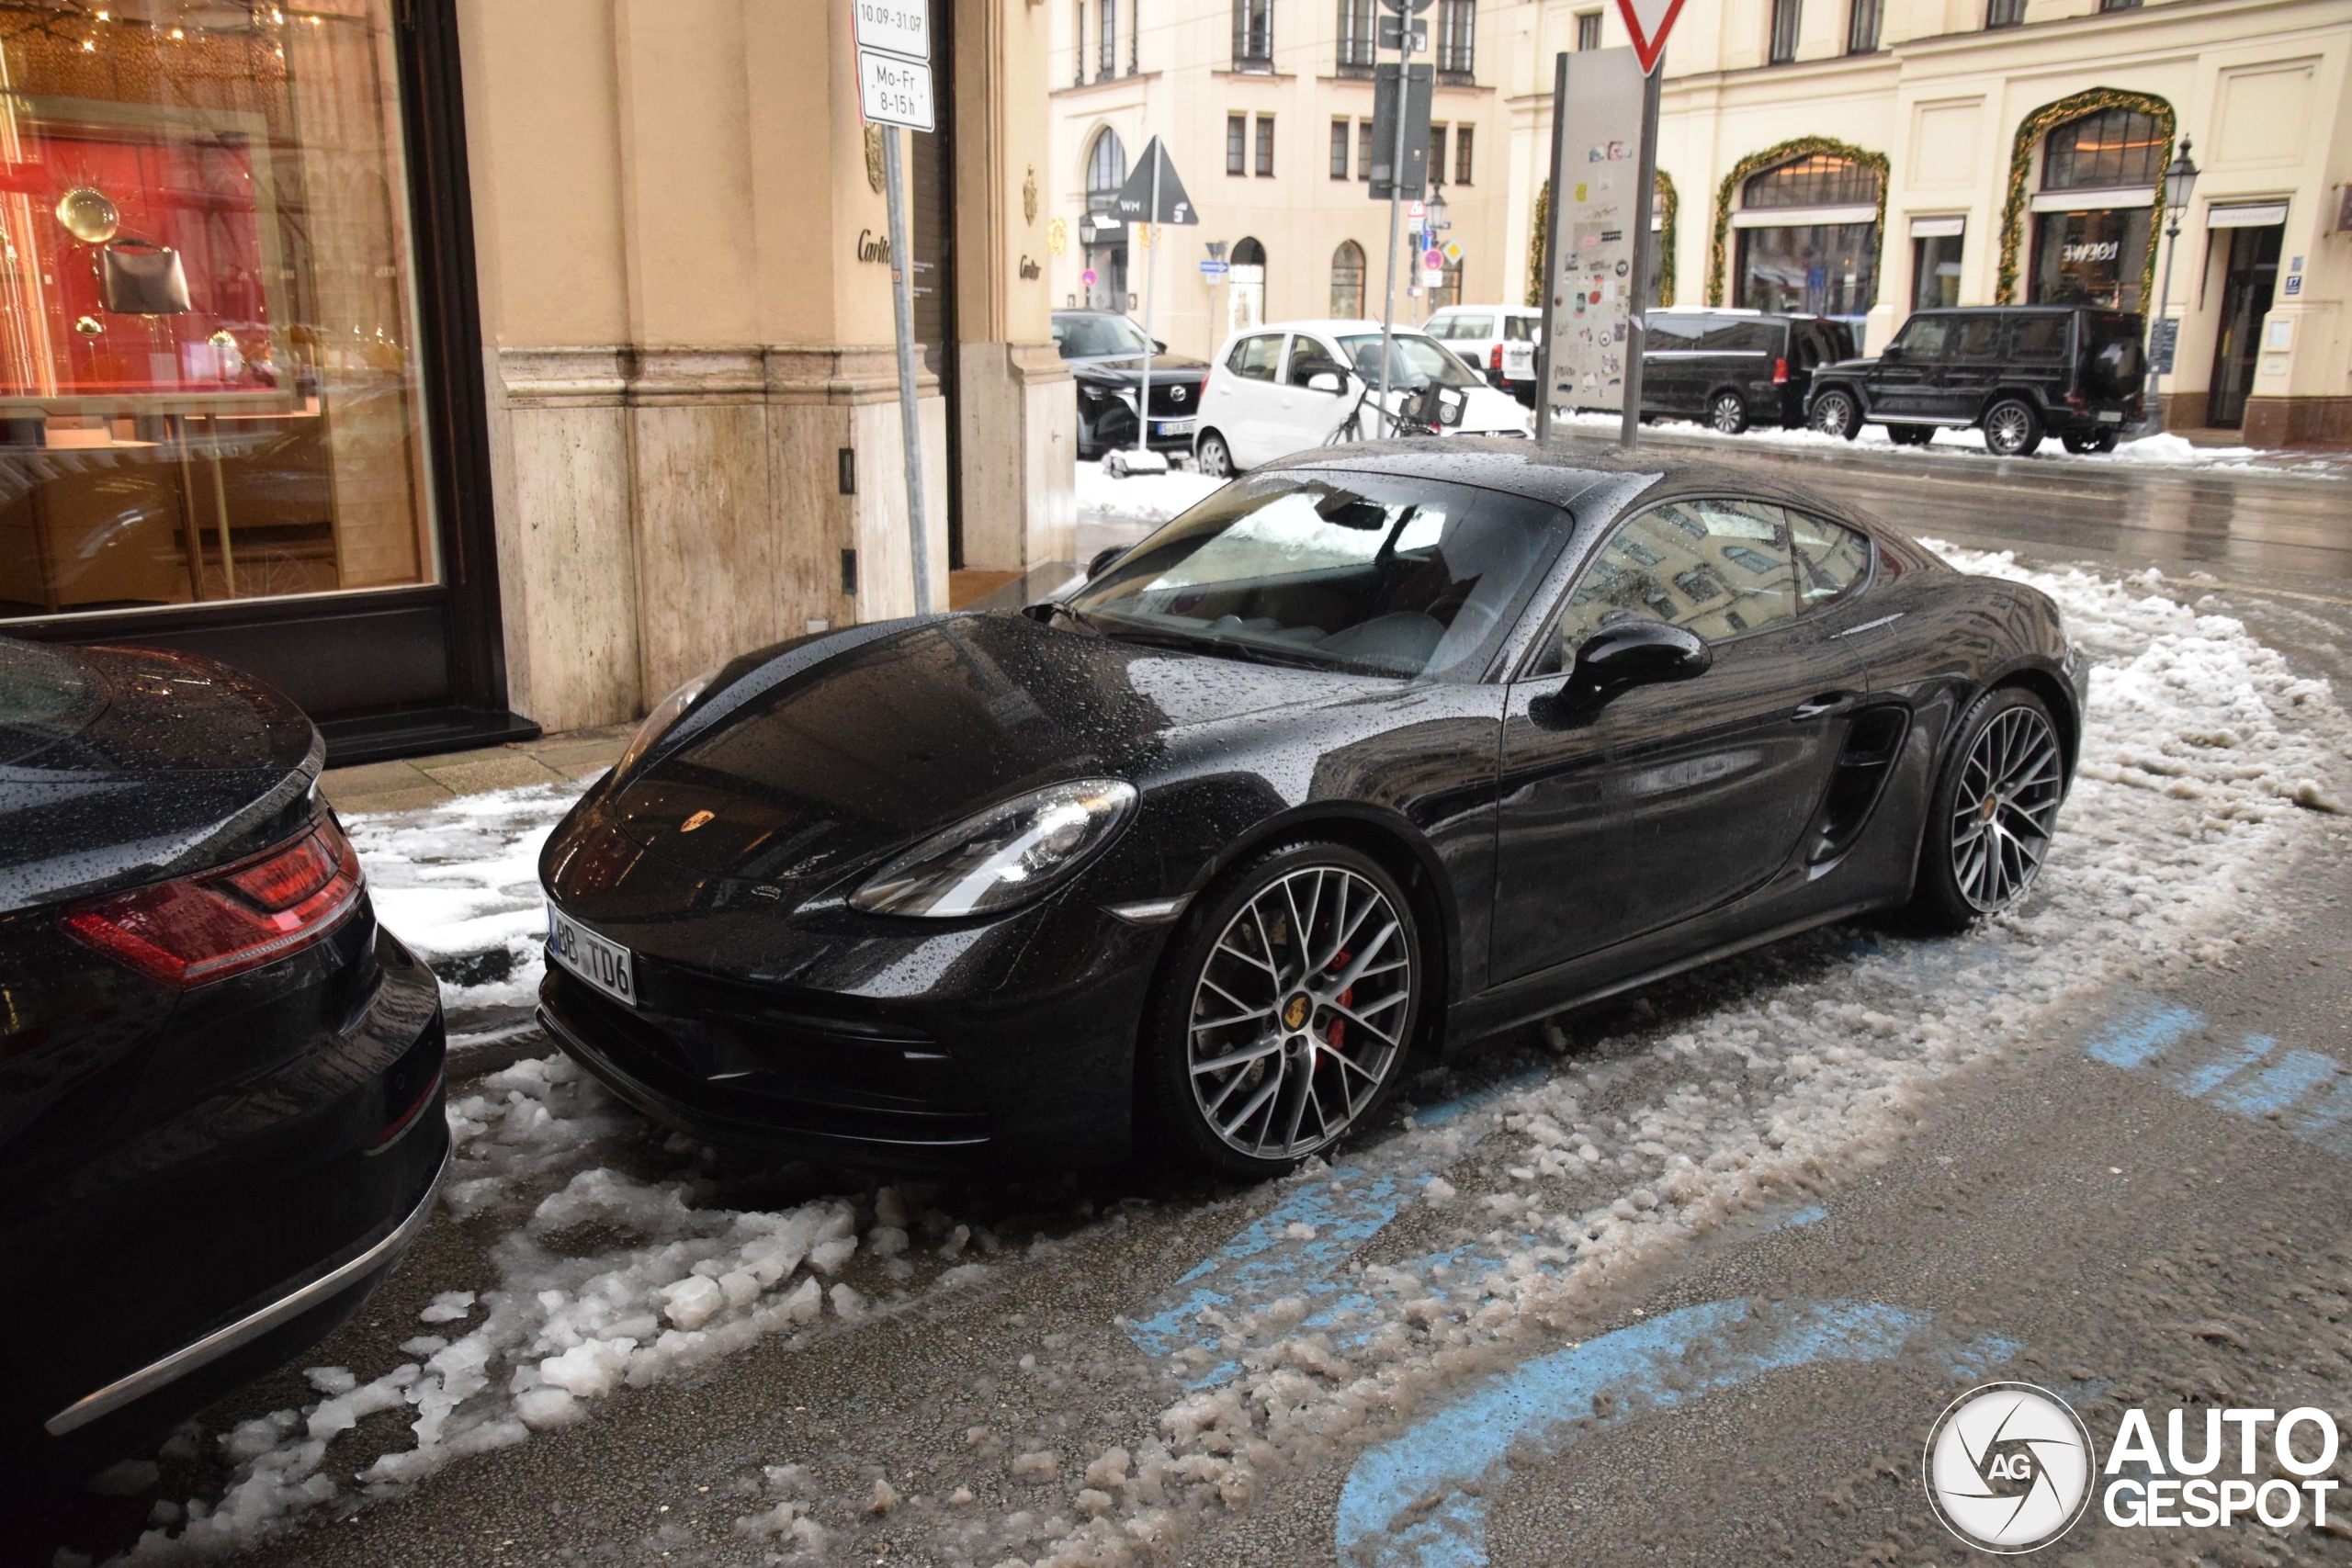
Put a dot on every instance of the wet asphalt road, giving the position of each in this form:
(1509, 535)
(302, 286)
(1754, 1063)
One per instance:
(2132, 1243)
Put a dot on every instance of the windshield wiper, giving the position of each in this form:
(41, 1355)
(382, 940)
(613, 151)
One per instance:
(1297, 656)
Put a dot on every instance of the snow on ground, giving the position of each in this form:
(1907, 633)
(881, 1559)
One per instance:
(2165, 450)
(624, 1255)
(1139, 498)
(460, 881)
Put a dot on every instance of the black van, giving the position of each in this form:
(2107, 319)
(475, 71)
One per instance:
(1733, 368)
(2017, 371)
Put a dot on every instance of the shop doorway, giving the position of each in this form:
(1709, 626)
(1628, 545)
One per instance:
(2251, 272)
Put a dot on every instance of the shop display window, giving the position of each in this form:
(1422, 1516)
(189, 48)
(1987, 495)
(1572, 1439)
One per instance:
(207, 383)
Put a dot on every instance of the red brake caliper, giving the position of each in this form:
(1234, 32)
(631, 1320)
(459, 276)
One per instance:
(1337, 1035)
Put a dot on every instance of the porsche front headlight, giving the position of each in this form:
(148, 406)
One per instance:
(666, 712)
(1002, 856)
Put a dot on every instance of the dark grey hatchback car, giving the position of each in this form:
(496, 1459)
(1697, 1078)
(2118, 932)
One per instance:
(2019, 372)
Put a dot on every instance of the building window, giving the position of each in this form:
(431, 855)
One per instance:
(1253, 35)
(1135, 37)
(2118, 4)
(1245, 287)
(1863, 26)
(1338, 149)
(1106, 170)
(1363, 149)
(1446, 292)
(1107, 61)
(1105, 249)
(1237, 144)
(2005, 13)
(2091, 221)
(1935, 265)
(1078, 43)
(1461, 154)
(1457, 40)
(213, 375)
(1437, 154)
(1265, 146)
(1358, 35)
(1346, 280)
(1816, 262)
(1787, 16)
(1588, 31)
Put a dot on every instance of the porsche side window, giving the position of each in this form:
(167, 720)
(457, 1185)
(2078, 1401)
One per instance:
(1716, 568)
(1831, 557)
(1255, 357)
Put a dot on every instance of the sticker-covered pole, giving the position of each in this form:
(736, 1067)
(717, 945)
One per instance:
(1645, 255)
(903, 308)
(1547, 280)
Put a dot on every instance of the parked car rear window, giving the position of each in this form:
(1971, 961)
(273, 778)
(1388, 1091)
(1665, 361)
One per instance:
(1086, 337)
(1732, 334)
(1256, 357)
(1471, 326)
(45, 697)
(1519, 329)
(2042, 339)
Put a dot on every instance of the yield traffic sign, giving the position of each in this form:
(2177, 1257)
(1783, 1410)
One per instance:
(1649, 21)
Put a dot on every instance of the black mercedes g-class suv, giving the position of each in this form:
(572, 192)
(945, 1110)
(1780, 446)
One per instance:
(2017, 372)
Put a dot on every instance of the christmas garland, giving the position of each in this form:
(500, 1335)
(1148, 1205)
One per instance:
(1541, 222)
(2040, 123)
(1771, 157)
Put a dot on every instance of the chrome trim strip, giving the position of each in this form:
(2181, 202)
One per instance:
(1870, 626)
(1150, 911)
(253, 1326)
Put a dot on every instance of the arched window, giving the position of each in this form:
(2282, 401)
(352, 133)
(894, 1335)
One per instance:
(2106, 150)
(1808, 237)
(1346, 280)
(1244, 291)
(1820, 179)
(1447, 289)
(1106, 169)
(2095, 215)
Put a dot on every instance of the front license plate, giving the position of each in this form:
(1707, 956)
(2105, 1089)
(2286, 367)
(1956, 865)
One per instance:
(603, 964)
(2112, 416)
(1173, 427)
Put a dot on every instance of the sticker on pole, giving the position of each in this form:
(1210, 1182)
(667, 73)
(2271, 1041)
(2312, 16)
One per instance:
(1649, 21)
(892, 91)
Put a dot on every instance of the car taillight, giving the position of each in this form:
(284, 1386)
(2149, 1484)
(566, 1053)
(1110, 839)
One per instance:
(2077, 401)
(195, 929)
(1780, 372)
(1495, 359)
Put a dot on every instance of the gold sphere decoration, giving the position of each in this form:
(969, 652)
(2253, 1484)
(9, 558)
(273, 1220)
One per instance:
(90, 326)
(89, 216)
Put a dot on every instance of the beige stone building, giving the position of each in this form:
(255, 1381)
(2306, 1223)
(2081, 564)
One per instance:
(1852, 157)
(464, 365)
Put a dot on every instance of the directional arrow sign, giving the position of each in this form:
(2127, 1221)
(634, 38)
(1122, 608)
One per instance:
(1135, 196)
(1649, 21)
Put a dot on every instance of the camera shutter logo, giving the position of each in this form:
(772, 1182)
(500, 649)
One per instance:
(2008, 1467)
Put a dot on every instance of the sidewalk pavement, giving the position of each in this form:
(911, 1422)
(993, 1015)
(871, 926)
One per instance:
(429, 781)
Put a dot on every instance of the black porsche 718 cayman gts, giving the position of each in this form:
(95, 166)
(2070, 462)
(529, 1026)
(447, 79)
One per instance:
(1370, 752)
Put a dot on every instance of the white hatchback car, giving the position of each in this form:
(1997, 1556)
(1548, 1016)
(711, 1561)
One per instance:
(1497, 339)
(1287, 387)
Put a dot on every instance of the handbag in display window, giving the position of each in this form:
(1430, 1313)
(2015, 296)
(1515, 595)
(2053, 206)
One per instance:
(140, 277)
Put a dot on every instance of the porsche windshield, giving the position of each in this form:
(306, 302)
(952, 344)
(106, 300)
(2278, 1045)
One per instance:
(1378, 574)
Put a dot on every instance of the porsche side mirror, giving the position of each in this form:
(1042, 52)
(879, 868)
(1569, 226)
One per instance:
(1103, 560)
(1639, 653)
(1326, 382)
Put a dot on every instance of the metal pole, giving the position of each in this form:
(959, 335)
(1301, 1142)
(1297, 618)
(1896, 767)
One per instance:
(2156, 421)
(1151, 281)
(1546, 283)
(1644, 256)
(1395, 208)
(903, 307)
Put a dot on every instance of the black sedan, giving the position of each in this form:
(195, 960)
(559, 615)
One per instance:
(1104, 352)
(220, 1079)
(1368, 753)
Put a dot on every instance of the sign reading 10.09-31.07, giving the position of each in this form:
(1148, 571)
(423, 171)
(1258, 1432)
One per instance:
(894, 62)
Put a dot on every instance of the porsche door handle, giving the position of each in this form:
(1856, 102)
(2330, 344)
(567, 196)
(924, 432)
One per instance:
(1822, 706)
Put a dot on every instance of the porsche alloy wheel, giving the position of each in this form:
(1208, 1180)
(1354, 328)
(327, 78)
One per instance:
(1298, 1011)
(1993, 812)
(2010, 785)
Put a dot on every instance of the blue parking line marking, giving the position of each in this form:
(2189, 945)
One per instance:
(2131, 1041)
(1421, 1499)
(1810, 1213)
(2307, 1093)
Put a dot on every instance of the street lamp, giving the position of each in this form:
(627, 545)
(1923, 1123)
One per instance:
(2180, 179)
